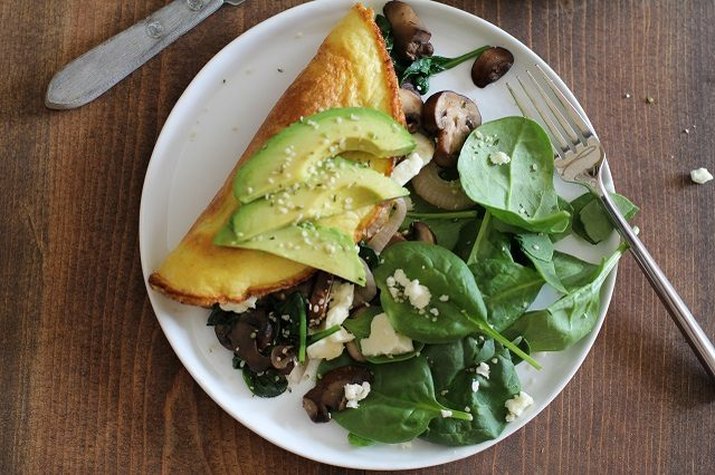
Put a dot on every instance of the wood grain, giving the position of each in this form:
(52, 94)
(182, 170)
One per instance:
(90, 384)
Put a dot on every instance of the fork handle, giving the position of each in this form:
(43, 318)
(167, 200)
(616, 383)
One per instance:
(683, 317)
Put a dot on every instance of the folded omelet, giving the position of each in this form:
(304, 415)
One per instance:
(352, 68)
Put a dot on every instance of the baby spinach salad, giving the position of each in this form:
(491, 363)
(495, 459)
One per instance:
(427, 343)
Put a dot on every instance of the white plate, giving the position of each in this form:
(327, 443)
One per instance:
(207, 131)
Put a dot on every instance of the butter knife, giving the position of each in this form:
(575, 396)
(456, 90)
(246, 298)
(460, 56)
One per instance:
(97, 70)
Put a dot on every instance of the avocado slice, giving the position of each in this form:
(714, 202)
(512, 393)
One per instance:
(321, 247)
(291, 155)
(337, 186)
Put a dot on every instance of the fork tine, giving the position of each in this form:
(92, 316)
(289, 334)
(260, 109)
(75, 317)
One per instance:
(577, 121)
(556, 135)
(571, 132)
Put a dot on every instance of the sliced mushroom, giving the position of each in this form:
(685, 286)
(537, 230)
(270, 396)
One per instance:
(249, 336)
(318, 304)
(419, 231)
(491, 65)
(328, 395)
(412, 39)
(354, 351)
(412, 107)
(432, 187)
(450, 117)
(283, 358)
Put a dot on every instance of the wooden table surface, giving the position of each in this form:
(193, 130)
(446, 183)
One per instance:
(89, 382)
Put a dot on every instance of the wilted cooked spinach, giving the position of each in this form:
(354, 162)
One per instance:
(400, 406)
(419, 71)
(455, 364)
(520, 192)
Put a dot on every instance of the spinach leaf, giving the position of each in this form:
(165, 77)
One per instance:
(539, 249)
(595, 221)
(367, 254)
(319, 335)
(490, 243)
(386, 31)
(520, 192)
(457, 362)
(456, 308)
(565, 206)
(570, 318)
(591, 222)
(508, 289)
(420, 70)
(400, 405)
(357, 441)
(267, 383)
(572, 271)
(359, 325)
(454, 294)
(447, 226)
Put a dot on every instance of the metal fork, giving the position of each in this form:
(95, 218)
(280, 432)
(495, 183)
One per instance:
(579, 159)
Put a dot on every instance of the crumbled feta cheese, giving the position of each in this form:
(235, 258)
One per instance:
(701, 176)
(384, 340)
(499, 158)
(341, 299)
(446, 413)
(355, 393)
(517, 405)
(407, 169)
(475, 386)
(444, 298)
(418, 294)
(483, 370)
(240, 307)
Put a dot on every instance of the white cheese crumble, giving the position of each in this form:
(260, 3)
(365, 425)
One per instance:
(384, 340)
(240, 307)
(355, 393)
(499, 158)
(418, 295)
(446, 413)
(483, 370)
(407, 169)
(475, 386)
(444, 298)
(341, 299)
(701, 176)
(517, 405)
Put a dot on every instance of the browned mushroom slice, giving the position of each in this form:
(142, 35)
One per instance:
(491, 65)
(419, 231)
(329, 393)
(283, 358)
(412, 107)
(248, 336)
(318, 304)
(412, 39)
(450, 117)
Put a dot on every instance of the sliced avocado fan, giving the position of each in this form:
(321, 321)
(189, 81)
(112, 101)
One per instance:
(334, 186)
(321, 247)
(288, 157)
